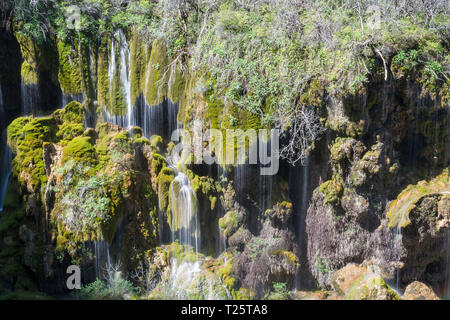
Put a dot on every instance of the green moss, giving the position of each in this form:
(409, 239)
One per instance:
(164, 180)
(290, 256)
(79, 149)
(341, 149)
(139, 55)
(225, 272)
(400, 208)
(368, 287)
(181, 253)
(102, 74)
(15, 131)
(26, 138)
(28, 73)
(73, 112)
(69, 72)
(176, 84)
(121, 137)
(158, 163)
(29, 69)
(157, 143)
(230, 222)
(332, 190)
(68, 131)
(155, 86)
(243, 294)
(110, 90)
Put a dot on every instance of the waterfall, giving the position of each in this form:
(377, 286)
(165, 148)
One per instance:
(187, 279)
(2, 111)
(5, 172)
(181, 277)
(67, 98)
(102, 258)
(30, 99)
(396, 247)
(299, 191)
(172, 113)
(184, 225)
(221, 239)
(446, 288)
(125, 74)
(6, 156)
(160, 119)
(304, 195)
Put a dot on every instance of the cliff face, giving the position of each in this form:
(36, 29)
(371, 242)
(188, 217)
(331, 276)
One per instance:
(91, 183)
(352, 217)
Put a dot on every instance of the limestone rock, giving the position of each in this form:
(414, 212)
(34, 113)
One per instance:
(419, 291)
(358, 283)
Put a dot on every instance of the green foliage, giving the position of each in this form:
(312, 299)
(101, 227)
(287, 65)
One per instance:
(280, 292)
(115, 289)
(84, 203)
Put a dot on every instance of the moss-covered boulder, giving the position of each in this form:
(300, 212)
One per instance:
(406, 201)
(358, 283)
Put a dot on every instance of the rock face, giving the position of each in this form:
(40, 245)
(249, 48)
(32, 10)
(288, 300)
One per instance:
(358, 283)
(419, 291)
(376, 209)
(271, 256)
(350, 217)
(79, 188)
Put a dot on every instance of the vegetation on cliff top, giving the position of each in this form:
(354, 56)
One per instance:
(275, 59)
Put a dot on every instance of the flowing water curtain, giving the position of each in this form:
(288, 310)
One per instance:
(30, 99)
(5, 172)
(184, 221)
(160, 119)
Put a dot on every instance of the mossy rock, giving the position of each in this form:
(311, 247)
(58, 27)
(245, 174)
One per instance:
(73, 112)
(139, 56)
(79, 149)
(155, 86)
(26, 137)
(165, 178)
(401, 207)
(332, 191)
(371, 287)
(69, 72)
(230, 222)
(157, 143)
(29, 75)
(289, 256)
(30, 55)
(176, 84)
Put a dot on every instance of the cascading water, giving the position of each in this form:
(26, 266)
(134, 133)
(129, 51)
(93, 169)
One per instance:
(221, 239)
(2, 111)
(67, 98)
(6, 156)
(125, 74)
(446, 291)
(102, 258)
(185, 226)
(5, 172)
(30, 99)
(396, 247)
